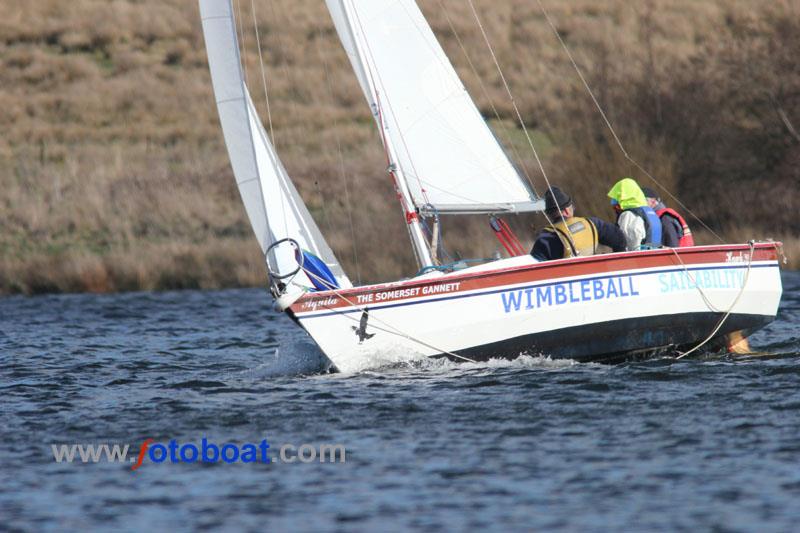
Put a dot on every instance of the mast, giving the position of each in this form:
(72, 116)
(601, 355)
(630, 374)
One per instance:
(418, 241)
(420, 244)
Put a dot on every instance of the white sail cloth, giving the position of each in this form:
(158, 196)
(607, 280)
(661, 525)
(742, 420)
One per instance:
(274, 207)
(448, 155)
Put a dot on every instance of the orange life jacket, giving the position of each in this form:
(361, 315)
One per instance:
(686, 236)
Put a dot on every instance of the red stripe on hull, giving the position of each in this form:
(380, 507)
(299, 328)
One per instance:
(549, 270)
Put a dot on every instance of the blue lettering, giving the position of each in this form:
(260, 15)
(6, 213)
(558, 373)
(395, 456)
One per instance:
(634, 292)
(151, 451)
(173, 451)
(186, 457)
(572, 298)
(621, 290)
(249, 453)
(585, 290)
(611, 288)
(229, 457)
(662, 278)
(561, 294)
(598, 289)
(512, 299)
(543, 294)
(528, 294)
(707, 284)
(207, 449)
(674, 283)
(262, 447)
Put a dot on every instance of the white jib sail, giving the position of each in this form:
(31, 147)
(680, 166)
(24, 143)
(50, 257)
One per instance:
(447, 153)
(274, 207)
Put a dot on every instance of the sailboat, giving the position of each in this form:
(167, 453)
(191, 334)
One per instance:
(446, 162)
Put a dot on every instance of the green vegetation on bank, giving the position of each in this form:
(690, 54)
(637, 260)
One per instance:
(114, 176)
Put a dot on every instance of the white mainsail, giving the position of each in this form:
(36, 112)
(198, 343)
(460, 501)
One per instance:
(274, 207)
(447, 154)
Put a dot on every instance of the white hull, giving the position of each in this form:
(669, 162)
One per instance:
(586, 309)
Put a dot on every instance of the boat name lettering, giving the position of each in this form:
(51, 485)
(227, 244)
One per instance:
(587, 290)
(737, 257)
(313, 305)
(410, 292)
(704, 279)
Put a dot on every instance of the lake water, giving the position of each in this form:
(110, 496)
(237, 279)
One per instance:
(529, 444)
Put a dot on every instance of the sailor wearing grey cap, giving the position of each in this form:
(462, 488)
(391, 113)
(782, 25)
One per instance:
(570, 236)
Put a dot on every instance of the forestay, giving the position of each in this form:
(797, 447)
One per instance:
(432, 128)
(274, 207)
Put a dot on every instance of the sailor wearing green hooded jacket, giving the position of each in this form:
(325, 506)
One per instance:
(636, 219)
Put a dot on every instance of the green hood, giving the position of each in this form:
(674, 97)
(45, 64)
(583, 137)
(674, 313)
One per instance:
(628, 194)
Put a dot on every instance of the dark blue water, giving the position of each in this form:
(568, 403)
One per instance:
(531, 444)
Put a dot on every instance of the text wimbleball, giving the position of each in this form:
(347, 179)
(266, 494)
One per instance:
(586, 290)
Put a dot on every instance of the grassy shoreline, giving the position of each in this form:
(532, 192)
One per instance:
(114, 176)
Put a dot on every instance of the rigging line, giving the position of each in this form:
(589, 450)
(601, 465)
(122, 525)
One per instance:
(519, 115)
(374, 107)
(244, 45)
(280, 172)
(693, 280)
(322, 204)
(488, 97)
(377, 75)
(263, 72)
(392, 170)
(342, 171)
(778, 250)
(733, 305)
(289, 76)
(436, 49)
(611, 128)
(276, 165)
(396, 331)
(287, 72)
(393, 165)
(400, 183)
(450, 192)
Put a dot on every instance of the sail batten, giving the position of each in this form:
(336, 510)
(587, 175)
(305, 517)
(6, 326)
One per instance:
(446, 151)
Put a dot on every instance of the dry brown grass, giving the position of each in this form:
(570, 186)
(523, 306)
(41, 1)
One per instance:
(114, 175)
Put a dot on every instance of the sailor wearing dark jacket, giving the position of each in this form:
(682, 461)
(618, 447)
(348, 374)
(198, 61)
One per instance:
(570, 236)
(675, 231)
